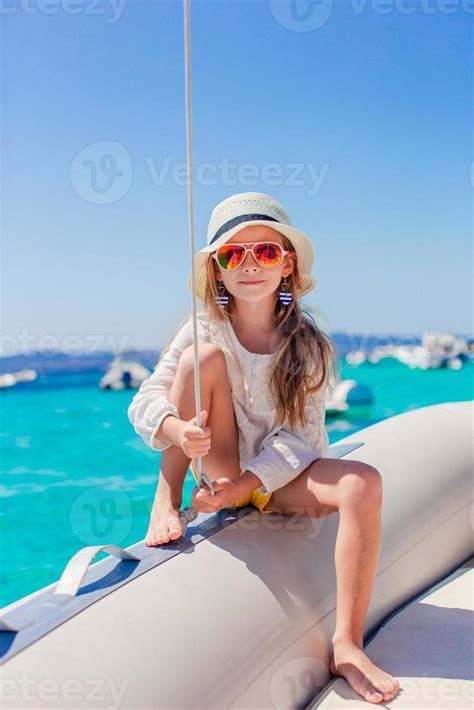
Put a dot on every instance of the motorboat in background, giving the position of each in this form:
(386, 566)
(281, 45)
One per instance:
(124, 374)
(348, 396)
(10, 379)
(437, 350)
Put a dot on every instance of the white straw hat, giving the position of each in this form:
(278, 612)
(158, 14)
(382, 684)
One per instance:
(242, 210)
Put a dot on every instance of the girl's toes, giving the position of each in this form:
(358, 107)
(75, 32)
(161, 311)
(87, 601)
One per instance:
(393, 690)
(369, 691)
(373, 695)
(389, 694)
(390, 687)
(385, 687)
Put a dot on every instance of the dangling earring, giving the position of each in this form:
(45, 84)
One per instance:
(285, 296)
(222, 299)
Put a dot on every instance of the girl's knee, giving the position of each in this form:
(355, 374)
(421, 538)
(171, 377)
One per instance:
(210, 357)
(363, 483)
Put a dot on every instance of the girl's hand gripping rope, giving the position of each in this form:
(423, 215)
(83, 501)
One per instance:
(188, 514)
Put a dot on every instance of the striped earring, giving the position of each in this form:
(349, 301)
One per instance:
(285, 296)
(222, 299)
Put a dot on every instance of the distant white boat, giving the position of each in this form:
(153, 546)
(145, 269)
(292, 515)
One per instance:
(123, 374)
(356, 357)
(9, 379)
(26, 375)
(348, 395)
(437, 350)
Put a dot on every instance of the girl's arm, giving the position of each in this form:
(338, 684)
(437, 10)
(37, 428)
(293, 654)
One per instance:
(151, 405)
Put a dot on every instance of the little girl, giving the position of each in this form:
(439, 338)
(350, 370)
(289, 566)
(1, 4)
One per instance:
(264, 369)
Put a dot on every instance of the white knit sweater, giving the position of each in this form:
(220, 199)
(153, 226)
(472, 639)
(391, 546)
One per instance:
(275, 453)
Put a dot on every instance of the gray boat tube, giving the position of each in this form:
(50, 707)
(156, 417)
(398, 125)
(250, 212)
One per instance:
(241, 612)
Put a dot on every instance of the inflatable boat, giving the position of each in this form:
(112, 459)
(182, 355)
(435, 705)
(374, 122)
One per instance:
(239, 612)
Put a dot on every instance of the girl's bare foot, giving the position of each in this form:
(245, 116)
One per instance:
(367, 679)
(164, 523)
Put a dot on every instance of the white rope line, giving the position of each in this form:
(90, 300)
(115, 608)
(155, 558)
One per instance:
(189, 147)
(188, 514)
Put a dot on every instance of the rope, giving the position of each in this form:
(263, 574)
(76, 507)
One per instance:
(188, 514)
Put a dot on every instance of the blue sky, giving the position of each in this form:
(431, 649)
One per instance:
(364, 107)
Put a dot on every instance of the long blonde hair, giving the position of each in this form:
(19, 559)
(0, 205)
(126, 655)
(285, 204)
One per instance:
(306, 361)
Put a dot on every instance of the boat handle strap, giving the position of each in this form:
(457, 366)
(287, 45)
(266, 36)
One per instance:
(76, 568)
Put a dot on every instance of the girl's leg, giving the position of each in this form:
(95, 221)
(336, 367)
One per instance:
(223, 456)
(354, 489)
(216, 399)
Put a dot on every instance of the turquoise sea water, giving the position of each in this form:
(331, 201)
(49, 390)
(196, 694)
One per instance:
(74, 473)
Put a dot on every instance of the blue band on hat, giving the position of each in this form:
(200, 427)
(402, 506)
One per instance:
(238, 220)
